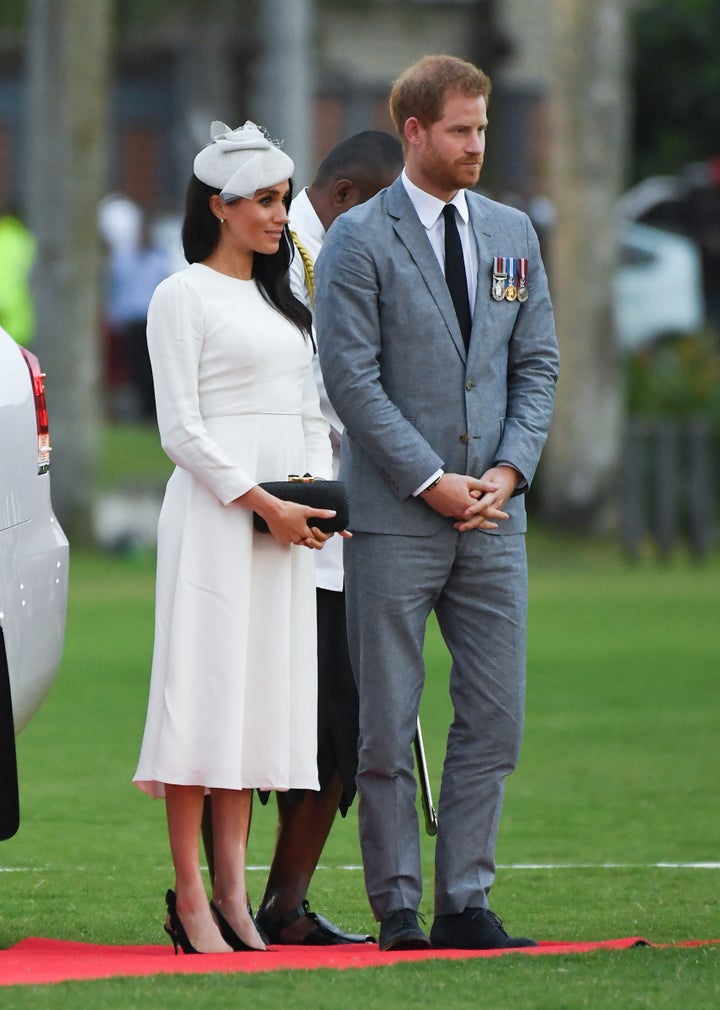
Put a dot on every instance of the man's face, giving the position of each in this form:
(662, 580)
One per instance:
(447, 155)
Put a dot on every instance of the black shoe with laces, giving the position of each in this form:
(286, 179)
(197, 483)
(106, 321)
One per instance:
(400, 931)
(474, 929)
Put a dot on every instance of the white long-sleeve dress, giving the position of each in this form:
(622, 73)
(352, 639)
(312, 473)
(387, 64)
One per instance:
(233, 690)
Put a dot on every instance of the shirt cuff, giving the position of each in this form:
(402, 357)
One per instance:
(426, 484)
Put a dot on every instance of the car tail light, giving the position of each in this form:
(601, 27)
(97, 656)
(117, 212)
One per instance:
(41, 416)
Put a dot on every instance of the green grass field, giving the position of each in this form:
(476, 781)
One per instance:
(619, 773)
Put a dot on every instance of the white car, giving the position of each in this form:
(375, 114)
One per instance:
(33, 562)
(658, 287)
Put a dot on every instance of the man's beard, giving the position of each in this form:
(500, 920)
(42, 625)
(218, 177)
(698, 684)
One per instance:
(450, 177)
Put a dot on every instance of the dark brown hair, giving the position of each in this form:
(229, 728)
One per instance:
(422, 89)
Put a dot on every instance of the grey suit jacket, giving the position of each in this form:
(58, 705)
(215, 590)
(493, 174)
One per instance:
(396, 370)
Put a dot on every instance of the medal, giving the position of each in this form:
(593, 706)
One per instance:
(522, 293)
(499, 278)
(511, 289)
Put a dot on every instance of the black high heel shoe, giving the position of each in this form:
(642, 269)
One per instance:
(228, 933)
(175, 929)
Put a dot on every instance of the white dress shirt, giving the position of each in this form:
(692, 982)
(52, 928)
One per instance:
(429, 209)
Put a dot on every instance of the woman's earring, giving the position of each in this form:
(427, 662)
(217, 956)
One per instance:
(221, 220)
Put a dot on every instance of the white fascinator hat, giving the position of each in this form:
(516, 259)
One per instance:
(241, 161)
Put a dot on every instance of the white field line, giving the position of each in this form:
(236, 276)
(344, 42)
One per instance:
(567, 866)
(575, 866)
(508, 866)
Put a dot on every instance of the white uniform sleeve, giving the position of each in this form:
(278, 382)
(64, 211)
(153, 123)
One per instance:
(299, 288)
(318, 452)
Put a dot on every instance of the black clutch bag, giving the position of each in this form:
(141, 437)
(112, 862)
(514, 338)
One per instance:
(307, 490)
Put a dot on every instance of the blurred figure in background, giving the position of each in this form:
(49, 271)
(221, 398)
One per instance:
(135, 267)
(17, 255)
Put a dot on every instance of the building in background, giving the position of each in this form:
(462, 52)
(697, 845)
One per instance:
(181, 64)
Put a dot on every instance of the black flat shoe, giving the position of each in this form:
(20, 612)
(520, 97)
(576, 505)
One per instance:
(228, 933)
(325, 933)
(474, 929)
(401, 931)
(175, 929)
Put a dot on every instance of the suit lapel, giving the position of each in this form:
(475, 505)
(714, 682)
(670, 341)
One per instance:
(483, 233)
(412, 234)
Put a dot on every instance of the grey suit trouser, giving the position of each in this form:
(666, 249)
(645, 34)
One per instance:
(477, 585)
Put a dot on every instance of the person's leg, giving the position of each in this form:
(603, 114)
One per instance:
(207, 835)
(184, 811)
(337, 699)
(391, 586)
(303, 827)
(482, 614)
(230, 821)
(305, 818)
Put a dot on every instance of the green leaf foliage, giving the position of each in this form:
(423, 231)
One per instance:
(676, 79)
(679, 378)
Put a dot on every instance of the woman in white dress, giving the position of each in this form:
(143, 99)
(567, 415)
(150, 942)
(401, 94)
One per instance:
(232, 703)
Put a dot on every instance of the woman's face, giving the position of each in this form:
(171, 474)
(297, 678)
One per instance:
(255, 224)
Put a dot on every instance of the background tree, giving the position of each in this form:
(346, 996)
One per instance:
(68, 49)
(588, 145)
(285, 88)
(676, 84)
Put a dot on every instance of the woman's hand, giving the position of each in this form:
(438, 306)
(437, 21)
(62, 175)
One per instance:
(288, 522)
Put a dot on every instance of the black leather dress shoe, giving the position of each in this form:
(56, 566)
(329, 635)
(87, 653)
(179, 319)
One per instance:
(473, 929)
(400, 931)
(325, 933)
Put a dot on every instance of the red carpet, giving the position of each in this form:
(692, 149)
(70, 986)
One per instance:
(36, 961)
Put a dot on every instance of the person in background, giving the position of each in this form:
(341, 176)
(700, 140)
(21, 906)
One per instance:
(134, 270)
(17, 255)
(233, 690)
(353, 171)
(439, 354)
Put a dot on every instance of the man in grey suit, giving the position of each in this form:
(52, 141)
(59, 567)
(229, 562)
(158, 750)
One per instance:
(446, 392)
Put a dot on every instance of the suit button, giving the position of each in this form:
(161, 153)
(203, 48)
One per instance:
(464, 439)
(469, 385)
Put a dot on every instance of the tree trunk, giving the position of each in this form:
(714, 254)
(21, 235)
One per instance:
(68, 43)
(588, 146)
(285, 88)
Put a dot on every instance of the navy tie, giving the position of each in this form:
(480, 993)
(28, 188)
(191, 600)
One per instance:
(455, 273)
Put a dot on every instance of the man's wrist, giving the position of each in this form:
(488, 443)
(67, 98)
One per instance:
(521, 484)
(428, 482)
(433, 483)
